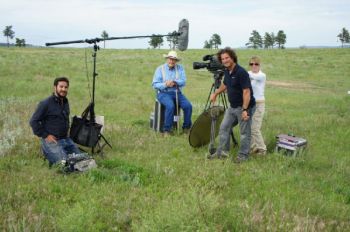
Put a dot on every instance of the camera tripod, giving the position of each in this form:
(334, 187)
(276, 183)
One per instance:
(215, 112)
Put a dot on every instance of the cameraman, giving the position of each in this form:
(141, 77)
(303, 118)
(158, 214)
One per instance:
(50, 122)
(169, 79)
(242, 106)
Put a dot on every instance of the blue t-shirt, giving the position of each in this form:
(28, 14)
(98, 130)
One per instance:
(235, 83)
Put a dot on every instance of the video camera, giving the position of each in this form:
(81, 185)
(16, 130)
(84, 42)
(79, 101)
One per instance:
(213, 66)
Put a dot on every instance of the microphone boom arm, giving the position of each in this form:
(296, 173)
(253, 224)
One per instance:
(92, 41)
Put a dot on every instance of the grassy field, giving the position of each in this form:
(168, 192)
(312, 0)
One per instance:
(150, 183)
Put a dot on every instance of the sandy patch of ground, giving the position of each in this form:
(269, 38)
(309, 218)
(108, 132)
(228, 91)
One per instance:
(290, 85)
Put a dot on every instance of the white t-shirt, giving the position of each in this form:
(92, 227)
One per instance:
(258, 84)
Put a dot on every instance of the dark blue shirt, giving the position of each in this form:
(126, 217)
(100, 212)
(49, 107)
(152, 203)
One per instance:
(51, 118)
(235, 83)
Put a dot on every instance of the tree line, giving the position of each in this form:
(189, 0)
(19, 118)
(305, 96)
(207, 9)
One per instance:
(270, 40)
(158, 41)
(255, 41)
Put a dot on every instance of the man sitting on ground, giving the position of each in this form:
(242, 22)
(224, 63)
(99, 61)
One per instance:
(50, 122)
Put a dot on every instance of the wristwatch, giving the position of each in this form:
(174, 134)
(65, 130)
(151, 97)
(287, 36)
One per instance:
(244, 110)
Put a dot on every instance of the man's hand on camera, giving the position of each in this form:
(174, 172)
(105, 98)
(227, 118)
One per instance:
(51, 139)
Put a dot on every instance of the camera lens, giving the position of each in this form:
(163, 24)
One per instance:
(198, 65)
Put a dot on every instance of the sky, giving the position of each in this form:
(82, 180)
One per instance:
(305, 22)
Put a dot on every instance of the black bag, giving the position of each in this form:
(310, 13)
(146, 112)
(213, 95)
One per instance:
(84, 131)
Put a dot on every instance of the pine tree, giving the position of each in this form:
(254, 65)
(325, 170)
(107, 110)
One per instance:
(9, 33)
(281, 39)
(156, 41)
(215, 41)
(104, 35)
(255, 41)
(344, 36)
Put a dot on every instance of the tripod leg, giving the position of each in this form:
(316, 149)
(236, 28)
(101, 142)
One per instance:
(207, 105)
(98, 149)
(212, 148)
(104, 139)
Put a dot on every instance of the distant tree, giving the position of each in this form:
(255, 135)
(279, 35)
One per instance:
(156, 41)
(273, 39)
(20, 42)
(281, 39)
(255, 41)
(207, 44)
(344, 36)
(172, 40)
(215, 41)
(104, 35)
(268, 40)
(9, 33)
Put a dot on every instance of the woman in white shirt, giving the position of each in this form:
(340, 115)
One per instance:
(258, 80)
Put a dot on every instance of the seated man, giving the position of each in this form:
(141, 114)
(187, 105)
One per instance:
(169, 79)
(50, 122)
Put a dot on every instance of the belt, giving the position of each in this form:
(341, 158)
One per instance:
(167, 90)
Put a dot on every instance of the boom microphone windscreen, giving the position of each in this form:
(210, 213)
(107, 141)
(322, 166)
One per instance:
(183, 37)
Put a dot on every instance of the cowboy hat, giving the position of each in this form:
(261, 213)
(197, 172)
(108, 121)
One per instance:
(172, 55)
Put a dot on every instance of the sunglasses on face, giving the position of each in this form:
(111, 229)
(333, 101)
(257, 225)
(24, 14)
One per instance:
(256, 64)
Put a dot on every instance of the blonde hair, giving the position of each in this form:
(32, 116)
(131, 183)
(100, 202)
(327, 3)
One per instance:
(255, 59)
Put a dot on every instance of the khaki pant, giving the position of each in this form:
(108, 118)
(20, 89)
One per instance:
(257, 141)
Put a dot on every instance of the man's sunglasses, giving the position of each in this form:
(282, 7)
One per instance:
(256, 64)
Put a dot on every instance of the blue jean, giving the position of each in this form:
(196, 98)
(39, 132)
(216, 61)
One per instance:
(168, 100)
(56, 152)
(233, 116)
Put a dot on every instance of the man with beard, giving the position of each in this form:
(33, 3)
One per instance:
(50, 122)
(242, 106)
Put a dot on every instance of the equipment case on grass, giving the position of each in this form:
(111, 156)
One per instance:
(290, 145)
(157, 117)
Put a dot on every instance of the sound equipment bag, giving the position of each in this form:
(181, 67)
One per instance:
(85, 131)
(78, 162)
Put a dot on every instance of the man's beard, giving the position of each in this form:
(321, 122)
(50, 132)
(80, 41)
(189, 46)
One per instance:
(59, 95)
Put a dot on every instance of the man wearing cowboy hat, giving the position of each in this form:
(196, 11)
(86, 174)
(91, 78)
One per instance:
(169, 79)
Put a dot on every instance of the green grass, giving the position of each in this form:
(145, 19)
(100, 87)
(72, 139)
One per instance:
(150, 183)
